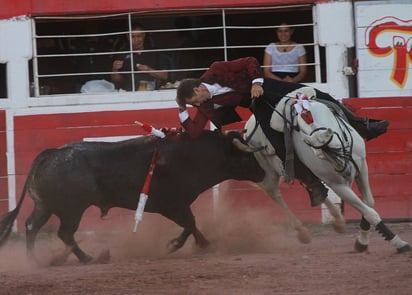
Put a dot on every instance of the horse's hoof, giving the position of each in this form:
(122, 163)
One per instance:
(360, 247)
(403, 249)
(339, 227)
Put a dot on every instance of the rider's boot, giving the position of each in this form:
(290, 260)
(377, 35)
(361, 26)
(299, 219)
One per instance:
(366, 127)
(316, 189)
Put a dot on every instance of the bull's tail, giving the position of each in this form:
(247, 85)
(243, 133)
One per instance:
(7, 220)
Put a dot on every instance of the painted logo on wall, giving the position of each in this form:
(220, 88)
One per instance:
(390, 36)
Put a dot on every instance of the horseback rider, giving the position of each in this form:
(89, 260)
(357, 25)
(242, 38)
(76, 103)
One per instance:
(227, 85)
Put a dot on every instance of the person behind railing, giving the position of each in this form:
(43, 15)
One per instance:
(285, 60)
(144, 64)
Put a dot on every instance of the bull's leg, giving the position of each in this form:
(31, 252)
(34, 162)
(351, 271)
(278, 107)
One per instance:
(184, 217)
(34, 222)
(178, 242)
(68, 226)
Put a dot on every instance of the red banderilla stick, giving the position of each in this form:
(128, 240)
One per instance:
(150, 129)
(144, 195)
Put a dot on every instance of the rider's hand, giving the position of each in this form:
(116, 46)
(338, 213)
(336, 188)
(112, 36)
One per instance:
(256, 90)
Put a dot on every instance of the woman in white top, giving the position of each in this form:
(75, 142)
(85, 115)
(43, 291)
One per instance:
(285, 60)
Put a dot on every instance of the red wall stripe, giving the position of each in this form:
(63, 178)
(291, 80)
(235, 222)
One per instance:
(390, 175)
(62, 7)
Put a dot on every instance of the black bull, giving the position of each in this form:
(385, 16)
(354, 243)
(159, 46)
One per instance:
(66, 181)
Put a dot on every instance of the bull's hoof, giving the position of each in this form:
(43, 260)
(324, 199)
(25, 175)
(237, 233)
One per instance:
(360, 247)
(104, 257)
(86, 259)
(203, 244)
(174, 245)
(60, 259)
(403, 249)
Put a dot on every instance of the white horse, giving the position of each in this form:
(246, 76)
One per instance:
(334, 152)
(273, 167)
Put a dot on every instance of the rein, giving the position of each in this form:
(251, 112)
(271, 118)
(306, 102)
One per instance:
(342, 153)
(323, 145)
(289, 157)
(283, 116)
(249, 137)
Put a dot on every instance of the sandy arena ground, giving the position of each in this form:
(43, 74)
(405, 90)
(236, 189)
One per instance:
(250, 254)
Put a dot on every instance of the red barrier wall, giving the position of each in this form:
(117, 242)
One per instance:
(389, 156)
(62, 7)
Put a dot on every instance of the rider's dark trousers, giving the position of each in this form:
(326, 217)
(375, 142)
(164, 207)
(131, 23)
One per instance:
(263, 111)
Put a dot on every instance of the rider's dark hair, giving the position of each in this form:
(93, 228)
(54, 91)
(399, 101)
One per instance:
(185, 89)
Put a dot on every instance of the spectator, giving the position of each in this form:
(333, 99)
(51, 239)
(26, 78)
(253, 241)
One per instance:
(142, 61)
(285, 60)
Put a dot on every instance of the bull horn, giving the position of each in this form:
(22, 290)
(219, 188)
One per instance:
(244, 147)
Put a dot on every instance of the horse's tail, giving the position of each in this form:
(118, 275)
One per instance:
(7, 220)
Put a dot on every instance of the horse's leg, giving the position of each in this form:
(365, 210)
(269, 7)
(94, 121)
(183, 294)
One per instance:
(362, 181)
(338, 218)
(362, 240)
(34, 222)
(270, 185)
(371, 216)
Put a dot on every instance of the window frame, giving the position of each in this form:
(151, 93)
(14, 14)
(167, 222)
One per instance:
(168, 94)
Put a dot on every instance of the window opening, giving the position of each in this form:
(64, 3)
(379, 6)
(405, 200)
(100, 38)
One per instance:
(3, 80)
(69, 51)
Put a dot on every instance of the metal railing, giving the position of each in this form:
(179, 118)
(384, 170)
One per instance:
(216, 49)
